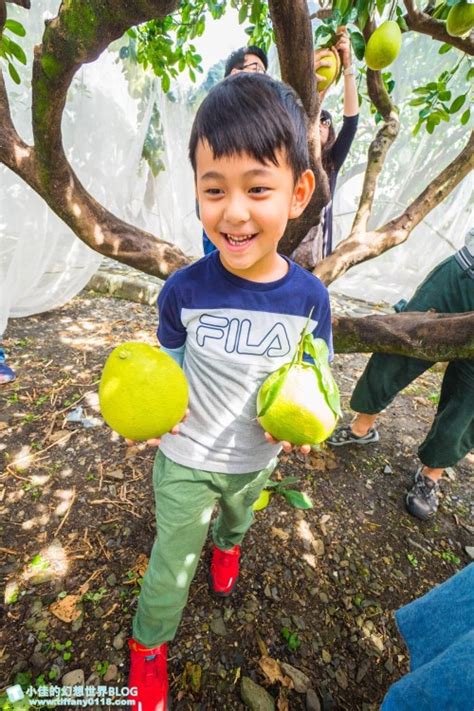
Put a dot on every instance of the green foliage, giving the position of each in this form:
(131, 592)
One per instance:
(166, 44)
(297, 499)
(101, 668)
(11, 51)
(291, 638)
(435, 100)
(448, 556)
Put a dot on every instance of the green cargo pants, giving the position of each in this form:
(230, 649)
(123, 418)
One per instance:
(184, 501)
(447, 289)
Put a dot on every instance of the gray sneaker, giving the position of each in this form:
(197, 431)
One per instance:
(422, 499)
(344, 435)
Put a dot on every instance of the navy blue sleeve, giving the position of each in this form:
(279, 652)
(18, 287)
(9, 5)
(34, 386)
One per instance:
(344, 140)
(171, 332)
(324, 328)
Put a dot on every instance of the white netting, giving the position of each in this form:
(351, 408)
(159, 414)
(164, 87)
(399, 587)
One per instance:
(42, 263)
(105, 126)
(411, 164)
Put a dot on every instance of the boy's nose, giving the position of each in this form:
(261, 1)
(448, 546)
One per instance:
(236, 211)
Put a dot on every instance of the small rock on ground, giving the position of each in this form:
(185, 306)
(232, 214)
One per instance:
(312, 701)
(73, 678)
(255, 697)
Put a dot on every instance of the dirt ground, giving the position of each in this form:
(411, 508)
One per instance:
(318, 587)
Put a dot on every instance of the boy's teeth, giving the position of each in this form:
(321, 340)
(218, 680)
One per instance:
(238, 240)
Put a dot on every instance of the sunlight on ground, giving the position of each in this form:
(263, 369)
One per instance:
(23, 460)
(51, 562)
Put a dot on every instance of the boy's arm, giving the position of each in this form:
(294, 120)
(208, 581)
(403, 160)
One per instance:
(324, 328)
(177, 354)
(171, 333)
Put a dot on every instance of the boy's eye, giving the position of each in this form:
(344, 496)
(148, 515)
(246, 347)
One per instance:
(213, 191)
(259, 190)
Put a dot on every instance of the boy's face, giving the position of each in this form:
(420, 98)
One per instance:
(245, 206)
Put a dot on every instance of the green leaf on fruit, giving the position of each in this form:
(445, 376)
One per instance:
(274, 390)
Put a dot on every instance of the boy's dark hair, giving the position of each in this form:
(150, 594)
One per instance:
(236, 60)
(254, 114)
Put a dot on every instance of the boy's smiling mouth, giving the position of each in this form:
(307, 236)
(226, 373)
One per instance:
(238, 242)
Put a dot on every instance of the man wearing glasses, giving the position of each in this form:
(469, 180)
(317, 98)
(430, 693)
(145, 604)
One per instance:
(246, 59)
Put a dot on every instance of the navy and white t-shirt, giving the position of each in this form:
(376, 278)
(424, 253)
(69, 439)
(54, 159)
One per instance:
(236, 333)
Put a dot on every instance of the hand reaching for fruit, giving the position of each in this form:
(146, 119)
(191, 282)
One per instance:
(343, 46)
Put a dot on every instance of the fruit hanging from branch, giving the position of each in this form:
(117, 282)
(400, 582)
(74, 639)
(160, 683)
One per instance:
(383, 46)
(460, 20)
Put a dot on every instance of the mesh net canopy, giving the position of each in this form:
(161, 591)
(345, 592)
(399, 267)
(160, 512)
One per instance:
(116, 113)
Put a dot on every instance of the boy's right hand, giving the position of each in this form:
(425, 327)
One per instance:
(287, 447)
(157, 440)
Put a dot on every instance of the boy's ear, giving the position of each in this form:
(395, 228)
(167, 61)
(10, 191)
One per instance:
(304, 188)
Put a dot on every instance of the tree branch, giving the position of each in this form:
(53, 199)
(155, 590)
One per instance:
(79, 34)
(292, 27)
(425, 24)
(429, 336)
(379, 147)
(14, 152)
(359, 247)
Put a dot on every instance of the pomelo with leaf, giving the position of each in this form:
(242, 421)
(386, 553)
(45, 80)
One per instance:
(143, 392)
(383, 46)
(299, 402)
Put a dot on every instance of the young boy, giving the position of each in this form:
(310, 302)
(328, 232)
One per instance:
(231, 318)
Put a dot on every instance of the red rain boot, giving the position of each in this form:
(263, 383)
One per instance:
(148, 677)
(224, 570)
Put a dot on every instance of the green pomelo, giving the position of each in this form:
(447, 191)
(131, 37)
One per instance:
(143, 392)
(383, 45)
(300, 413)
(460, 19)
(329, 73)
(262, 501)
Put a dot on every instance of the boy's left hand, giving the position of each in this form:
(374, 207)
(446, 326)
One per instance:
(287, 446)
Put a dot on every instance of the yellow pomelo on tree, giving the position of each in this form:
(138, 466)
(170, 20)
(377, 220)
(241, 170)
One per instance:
(330, 73)
(299, 403)
(143, 392)
(383, 45)
(460, 19)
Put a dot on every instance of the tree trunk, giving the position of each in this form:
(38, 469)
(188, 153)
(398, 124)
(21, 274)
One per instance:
(292, 28)
(78, 35)
(425, 335)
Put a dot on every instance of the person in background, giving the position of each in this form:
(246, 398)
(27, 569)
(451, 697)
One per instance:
(334, 150)
(449, 288)
(7, 375)
(246, 59)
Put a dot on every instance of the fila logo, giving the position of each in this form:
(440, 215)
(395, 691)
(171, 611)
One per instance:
(236, 335)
